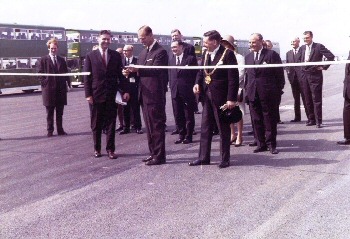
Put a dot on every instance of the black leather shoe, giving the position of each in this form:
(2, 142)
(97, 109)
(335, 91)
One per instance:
(253, 144)
(250, 132)
(120, 128)
(344, 142)
(194, 132)
(295, 120)
(49, 134)
(178, 141)
(124, 131)
(197, 112)
(273, 151)
(224, 164)
(97, 154)
(154, 162)
(139, 131)
(62, 133)
(216, 132)
(149, 158)
(112, 155)
(187, 141)
(198, 162)
(175, 132)
(310, 123)
(318, 126)
(260, 149)
(280, 122)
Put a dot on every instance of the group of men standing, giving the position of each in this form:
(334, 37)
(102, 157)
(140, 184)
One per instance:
(218, 88)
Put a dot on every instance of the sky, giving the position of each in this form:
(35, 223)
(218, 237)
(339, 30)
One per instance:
(276, 20)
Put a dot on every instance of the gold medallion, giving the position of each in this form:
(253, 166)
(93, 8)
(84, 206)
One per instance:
(207, 79)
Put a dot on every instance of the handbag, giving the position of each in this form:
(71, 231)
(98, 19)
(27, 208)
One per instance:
(233, 115)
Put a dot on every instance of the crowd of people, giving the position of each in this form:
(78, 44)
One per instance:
(220, 90)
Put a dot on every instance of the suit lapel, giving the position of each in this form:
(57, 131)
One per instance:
(312, 51)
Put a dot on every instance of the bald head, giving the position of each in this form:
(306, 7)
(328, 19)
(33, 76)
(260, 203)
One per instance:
(295, 42)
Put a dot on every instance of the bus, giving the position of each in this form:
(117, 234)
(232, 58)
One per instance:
(81, 42)
(21, 46)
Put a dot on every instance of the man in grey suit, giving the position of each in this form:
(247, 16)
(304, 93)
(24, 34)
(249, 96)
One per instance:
(312, 77)
(346, 110)
(294, 77)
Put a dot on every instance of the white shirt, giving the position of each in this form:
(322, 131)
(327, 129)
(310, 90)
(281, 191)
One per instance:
(308, 51)
(180, 57)
(258, 55)
(53, 58)
(212, 54)
(106, 53)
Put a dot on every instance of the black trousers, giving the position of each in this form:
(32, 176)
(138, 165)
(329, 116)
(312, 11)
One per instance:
(184, 115)
(346, 117)
(155, 118)
(265, 116)
(104, 115)
(210, 116)
(298, 93)
(312, 87)
(132, 107)
(50, 110)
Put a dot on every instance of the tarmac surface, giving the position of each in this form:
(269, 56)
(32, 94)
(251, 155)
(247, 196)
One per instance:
(55, 188)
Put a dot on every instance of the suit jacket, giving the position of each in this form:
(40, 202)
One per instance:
(318, 51)
(189, 49)
(153, 82)
(347, 80)
(54, 88)
(293, 72)
(181, 80)
(267, 82)
(104, 81)
(224, 82)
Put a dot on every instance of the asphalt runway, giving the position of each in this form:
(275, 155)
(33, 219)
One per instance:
(55, 188)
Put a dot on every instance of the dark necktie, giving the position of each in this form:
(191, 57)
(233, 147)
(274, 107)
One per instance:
(209, 59)
(256, 58)
(55, 63)
(178, 61)
(127, 62)
(104, 57)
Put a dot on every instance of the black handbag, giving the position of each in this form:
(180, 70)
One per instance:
(233, 115)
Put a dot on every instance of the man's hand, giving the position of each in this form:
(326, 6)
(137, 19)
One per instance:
(126, 97)
(320, 68)
(196, 89)
(130, 68)
(230, 104)
(90, 100)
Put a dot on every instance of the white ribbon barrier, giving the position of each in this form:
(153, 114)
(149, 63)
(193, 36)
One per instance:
(44, 74)
(264, 65)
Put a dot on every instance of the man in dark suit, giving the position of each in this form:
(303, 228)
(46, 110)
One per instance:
(133, 104)
(220, 87)
(152, 88)
(181, 86)
(101, 87)
(294, 77)
(54, 88)
(346, 110)
(188, 50)
(312, 77)
(263, 91)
